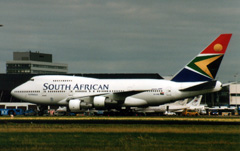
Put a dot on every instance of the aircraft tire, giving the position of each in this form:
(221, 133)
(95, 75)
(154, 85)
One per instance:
(11, 113)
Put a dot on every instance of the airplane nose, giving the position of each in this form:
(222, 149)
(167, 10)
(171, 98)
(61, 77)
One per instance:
(13, 92)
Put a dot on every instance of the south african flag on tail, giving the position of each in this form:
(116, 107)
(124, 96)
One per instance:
(205, 65)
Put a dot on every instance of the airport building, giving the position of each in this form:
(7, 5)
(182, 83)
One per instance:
(234, 94)
(34, 63)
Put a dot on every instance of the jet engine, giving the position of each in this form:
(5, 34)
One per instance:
(130, 101)
(101, 102)
(77, 105)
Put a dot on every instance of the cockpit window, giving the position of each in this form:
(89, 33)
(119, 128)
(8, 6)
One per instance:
(31, 79)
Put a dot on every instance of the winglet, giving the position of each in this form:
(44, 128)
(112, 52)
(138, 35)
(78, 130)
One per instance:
(205, 65)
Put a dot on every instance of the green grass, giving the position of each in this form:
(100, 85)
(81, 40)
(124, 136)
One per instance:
(118, 141)
(109, 137)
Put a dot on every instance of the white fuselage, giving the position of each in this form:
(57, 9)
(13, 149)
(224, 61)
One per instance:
(59, 90)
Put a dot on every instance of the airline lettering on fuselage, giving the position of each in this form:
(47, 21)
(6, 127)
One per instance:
(89, 87)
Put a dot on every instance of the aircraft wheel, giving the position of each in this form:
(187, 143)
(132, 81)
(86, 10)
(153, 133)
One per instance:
(11, 113)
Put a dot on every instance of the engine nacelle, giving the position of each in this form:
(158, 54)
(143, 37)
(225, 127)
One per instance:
(101, 101)
(130, 101)
(77, 105)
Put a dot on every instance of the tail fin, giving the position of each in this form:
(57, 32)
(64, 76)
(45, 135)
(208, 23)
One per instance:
(205, 65)
(195, 101)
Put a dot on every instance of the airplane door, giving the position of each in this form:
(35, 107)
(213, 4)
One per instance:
(70, 93)
(44, 93)
(169, 91)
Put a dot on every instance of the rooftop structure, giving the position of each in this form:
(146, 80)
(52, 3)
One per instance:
(34, 63)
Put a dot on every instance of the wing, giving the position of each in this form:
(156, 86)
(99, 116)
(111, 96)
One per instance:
(117, 96)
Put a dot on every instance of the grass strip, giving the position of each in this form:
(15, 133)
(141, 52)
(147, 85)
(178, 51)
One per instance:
(106, 137)
(119, 128)
(118, 141)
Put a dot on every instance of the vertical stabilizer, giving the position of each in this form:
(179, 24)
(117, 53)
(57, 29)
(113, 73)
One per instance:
(195, 101)
(205, 65)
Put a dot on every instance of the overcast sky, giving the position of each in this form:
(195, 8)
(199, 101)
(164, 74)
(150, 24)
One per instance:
(120, 36)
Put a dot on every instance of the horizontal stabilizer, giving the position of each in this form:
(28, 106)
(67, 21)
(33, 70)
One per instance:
(202, 86)
(227, 84)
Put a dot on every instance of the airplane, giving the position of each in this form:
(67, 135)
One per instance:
(195, 105)
(169, 107)
(83, 93)
(177, 106)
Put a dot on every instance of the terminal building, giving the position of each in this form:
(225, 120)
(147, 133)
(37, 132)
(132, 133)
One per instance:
(34, 63)
(24, 66)
(234, 94)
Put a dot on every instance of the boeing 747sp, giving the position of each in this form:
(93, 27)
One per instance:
(81, 93)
